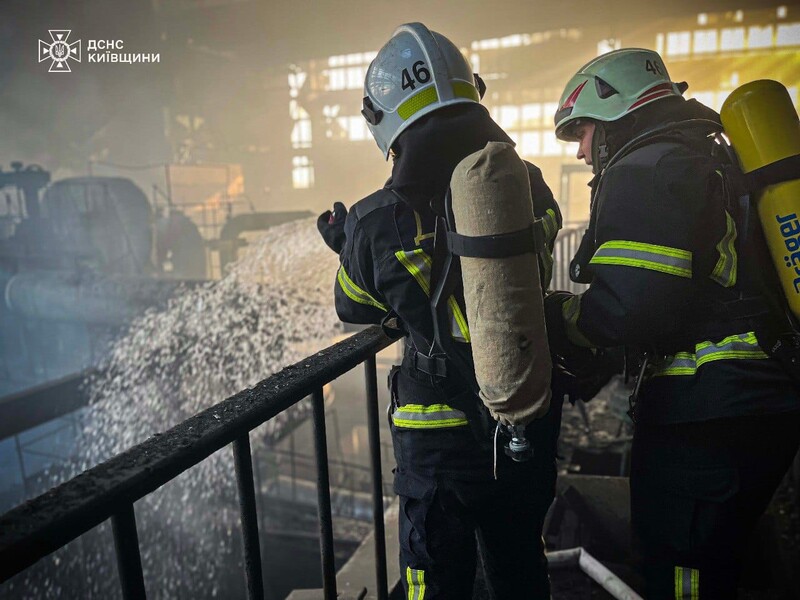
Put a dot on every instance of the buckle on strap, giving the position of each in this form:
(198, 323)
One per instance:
(436, 365)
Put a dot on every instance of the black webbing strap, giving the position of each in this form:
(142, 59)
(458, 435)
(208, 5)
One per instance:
(529, 239)
(780, 171)
(435, 366)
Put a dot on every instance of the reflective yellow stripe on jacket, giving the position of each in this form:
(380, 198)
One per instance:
(355, 293)
(664, 259)
(724, 272)
(571, 311)
(435, 416)
(740, 346)
(418, 264)
(550, 226)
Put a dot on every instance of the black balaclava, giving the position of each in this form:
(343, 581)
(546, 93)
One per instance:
(429, 150)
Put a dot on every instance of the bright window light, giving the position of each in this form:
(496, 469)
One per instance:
(302, 173)
(336, 79)
(678, 43)
(549, 109)
(355, 127)
(531, 115)
(551, 146)
(508, 117)
(605, 46)
(301, 134)
(706, 98)
(759, 37)
(788, 35)
(793, 93)
(705, 40)
(531, 143)
(732, 39)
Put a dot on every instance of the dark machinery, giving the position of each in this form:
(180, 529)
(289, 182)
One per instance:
(78, 264)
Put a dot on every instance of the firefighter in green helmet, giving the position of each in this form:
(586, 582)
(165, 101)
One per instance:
(674, 275)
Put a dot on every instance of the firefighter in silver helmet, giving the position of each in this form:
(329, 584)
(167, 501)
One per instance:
(422, 105)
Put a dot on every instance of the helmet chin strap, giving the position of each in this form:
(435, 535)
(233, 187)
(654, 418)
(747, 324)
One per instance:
(599, 148)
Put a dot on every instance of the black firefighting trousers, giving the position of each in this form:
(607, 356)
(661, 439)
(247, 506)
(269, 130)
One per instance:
(697, 490)
(451, 507)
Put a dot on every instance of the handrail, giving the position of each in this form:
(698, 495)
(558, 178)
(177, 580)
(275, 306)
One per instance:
(108, 490)
(566, 245)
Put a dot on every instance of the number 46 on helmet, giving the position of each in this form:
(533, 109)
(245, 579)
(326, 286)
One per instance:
(417, 72)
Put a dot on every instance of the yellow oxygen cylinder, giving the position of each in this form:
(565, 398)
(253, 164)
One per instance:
(763, 127)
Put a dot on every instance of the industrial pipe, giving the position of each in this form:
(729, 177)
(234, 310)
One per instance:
(594, 569)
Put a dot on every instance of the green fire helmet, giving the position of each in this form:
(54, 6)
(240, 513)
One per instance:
(417, 72)
(611, 86)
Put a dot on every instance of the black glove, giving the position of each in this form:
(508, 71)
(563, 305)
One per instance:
(331, 226)
(583, 374)
(578, 372)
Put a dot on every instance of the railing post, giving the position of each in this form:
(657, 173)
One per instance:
(243, 464)
(371, 377)
(292, 467)
(129, 562)
(324, 497)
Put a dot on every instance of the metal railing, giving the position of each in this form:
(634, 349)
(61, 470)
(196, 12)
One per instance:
(108, 490)
(567, 242)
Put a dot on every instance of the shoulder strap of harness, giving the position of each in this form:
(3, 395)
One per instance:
(783, 170)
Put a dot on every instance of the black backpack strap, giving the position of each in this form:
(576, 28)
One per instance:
(780, 171)
(522, 241)
(445, 281)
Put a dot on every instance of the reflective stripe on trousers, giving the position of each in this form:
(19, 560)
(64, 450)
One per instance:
(687, 583)
(416, 584)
